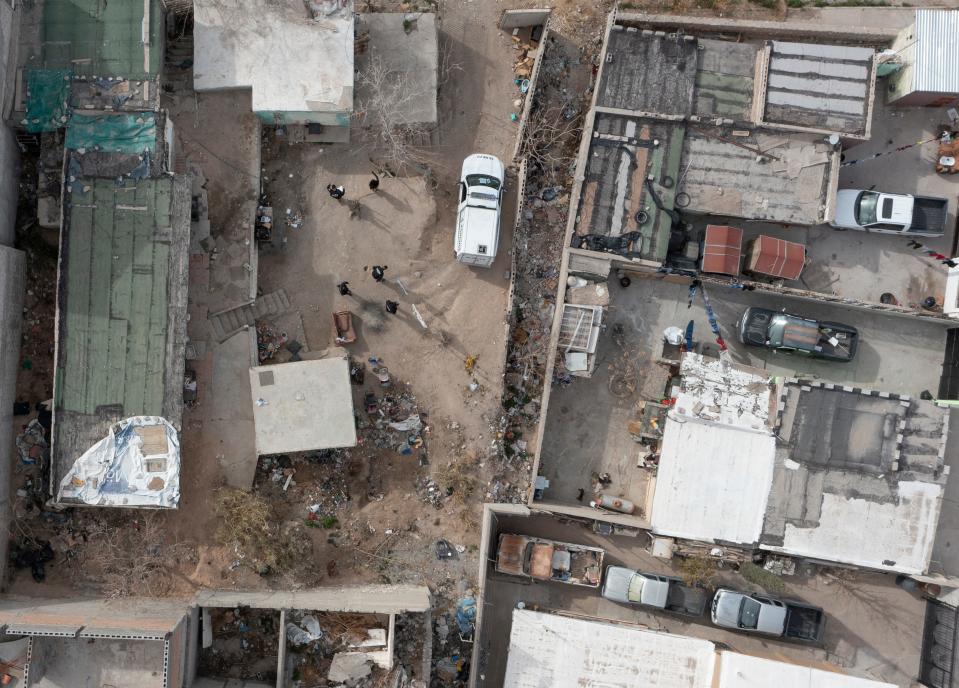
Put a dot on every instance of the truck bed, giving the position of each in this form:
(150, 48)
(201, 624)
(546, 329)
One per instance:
(685, 600)
(928, 215)
(804, 623)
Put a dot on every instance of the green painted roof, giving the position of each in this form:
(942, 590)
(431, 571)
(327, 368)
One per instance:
(102, 37)
(114, 297)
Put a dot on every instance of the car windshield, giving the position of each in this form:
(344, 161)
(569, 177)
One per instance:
(749, 613)
(482, 196)
(482, 180)
(776, 329)
(866, 207)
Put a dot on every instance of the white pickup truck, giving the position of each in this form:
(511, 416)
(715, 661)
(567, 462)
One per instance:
(477, 217)
(886, 213)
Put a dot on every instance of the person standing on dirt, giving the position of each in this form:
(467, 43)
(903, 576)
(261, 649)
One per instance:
(379, 271)
(375, 182)
(344, 288)
(392, 306)
(335, 191)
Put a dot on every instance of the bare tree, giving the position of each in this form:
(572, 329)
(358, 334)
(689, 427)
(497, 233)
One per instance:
(550, 140)
(389, 96)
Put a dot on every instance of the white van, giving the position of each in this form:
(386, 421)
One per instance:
(477, 217)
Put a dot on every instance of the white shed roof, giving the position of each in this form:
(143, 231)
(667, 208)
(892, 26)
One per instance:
(744, 671)
(302, 406)
(563, 652)
(293, 62)
(713, 481)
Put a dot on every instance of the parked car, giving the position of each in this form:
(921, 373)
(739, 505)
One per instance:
(886, 213)
(754, 613)
(783, 331)
(652, 590)
(548, 560)
(477, 217)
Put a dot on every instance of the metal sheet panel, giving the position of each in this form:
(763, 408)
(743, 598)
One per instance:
(937, 51)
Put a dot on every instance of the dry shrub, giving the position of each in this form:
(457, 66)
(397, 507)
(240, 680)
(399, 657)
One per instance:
(458, 476)
(697, 571)
(249, 526)
(133, 557)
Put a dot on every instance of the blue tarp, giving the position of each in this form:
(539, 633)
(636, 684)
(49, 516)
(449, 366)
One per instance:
(133, 133)
(48, 99)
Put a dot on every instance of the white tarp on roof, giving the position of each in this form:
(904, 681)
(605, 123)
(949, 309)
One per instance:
(136, 464)
(563, 652)
(713, 482)
(744, 671)
(901, 531)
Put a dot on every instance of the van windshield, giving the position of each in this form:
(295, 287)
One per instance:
(482, 180)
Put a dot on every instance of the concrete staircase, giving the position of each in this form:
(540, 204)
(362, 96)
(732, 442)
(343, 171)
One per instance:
(178, 65)
(228, 322)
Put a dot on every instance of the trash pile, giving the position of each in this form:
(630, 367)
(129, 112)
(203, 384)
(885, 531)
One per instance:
(563, 83)
(394, 421)
(340, 649)
(452, 643)
(268, 341)
(244, 644)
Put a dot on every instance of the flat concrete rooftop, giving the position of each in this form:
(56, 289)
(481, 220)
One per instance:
(72, 662)
(294, 62)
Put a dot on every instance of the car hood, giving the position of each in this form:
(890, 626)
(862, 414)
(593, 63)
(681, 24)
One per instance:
(616, 587)
(846, 208)
(726, 611)
(480, 163)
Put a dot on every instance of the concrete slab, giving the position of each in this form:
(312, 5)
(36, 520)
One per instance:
(229, 413)
(68, 662)
(302, 406)
(408, 43)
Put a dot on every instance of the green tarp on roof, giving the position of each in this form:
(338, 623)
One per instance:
(103, 37)
(131, 134)
(48, 96)
(114, 317)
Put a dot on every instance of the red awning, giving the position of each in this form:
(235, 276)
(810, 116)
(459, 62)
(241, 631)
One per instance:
(723, 249)
(777, 257)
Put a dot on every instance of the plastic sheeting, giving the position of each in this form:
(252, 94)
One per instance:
(136, 464)
(48, 99)
(133, 134)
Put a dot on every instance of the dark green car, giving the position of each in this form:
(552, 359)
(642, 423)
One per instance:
(782, 331)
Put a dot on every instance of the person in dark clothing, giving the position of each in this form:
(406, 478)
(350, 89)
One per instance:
(375, 182)
(335, 191)
(391, 306)
(582, 492)
(379, 272)
(344, 288)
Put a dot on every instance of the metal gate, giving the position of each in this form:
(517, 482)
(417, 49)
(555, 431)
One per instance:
(949, 382)
(939, 645)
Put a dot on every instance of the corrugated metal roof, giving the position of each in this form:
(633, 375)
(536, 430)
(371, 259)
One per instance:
(819, 86)
(937, 51)
(103, 38)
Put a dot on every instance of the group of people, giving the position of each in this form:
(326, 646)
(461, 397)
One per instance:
(379, 274)
(338, 192)
(379, 271)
